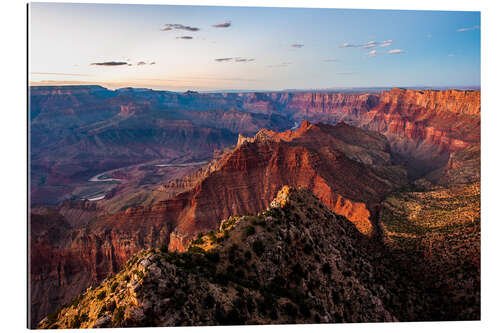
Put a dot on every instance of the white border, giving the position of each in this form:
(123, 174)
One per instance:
(13, 152)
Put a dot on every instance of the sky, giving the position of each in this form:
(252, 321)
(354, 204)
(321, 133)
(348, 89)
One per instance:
(203, 48)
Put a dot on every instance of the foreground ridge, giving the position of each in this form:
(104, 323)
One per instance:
(295, 262)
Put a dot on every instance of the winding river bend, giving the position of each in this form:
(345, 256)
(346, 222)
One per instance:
(101, 177)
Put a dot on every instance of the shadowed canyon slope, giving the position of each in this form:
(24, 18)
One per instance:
(295, 262)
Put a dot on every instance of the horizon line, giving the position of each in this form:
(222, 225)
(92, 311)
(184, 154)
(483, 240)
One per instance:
(222, 90)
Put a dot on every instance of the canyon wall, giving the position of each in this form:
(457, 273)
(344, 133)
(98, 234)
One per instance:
(348, 168)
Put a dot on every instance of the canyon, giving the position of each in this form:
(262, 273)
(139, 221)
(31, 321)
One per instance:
(375, 144)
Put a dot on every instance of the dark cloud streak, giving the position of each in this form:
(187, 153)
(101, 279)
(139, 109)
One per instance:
(109, 63)
(223, 59)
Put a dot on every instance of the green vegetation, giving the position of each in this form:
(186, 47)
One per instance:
(118, 315)
(249, 230)
(113, 287)
(102, 295)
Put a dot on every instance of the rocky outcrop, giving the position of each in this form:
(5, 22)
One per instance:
(79, 212)
(293, 263)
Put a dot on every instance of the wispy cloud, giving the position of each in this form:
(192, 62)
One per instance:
(469, 28)
(348, 45)
(109, 63)
(176, 26)
(283, 64)
(239, 59)
(236, 59)
(184, 37)
(396, 51)
(372, 53)
(451, 55)
(370, 44)
(298, 46)
(330, 60)
(226, 24)
(386, 43)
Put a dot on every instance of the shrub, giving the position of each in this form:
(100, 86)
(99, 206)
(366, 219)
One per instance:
(258, 247)
(84, 317)
(118, 314)
(262, 306)
(180, 299)
(326, 268)
(209, 302)
(76, 322)
(164, 248)
(297, 273)
(53, 317)
(248, 255)
(114, 286)
(195, 249)
(308, 249)
(233, 252)
(101, 295)
(213, 256)
(304, 310)
(274, 314)
(277, 286)
(290, 310)
(221, 279)
(249, 230)
(234, 317)
(76, 301)
(250, 304)
(211, 236)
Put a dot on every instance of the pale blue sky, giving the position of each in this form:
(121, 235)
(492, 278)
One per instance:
(408, 48)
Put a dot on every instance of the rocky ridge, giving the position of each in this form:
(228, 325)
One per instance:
(295, 262)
